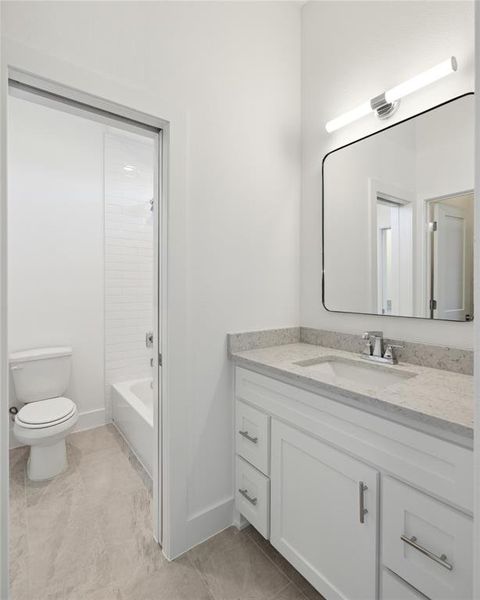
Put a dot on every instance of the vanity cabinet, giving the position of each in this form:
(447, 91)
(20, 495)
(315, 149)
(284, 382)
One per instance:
(324, 513)
(364, 508)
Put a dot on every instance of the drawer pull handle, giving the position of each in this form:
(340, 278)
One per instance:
(247, 497)
(441, 560)
(362, 488)
(248, 437)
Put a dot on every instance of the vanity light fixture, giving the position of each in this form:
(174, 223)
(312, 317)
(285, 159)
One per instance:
(386, 104)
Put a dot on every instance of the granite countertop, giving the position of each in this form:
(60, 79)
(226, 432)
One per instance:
(436, 401)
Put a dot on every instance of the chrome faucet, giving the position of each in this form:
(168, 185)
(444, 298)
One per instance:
(374, 348)
(374, 345)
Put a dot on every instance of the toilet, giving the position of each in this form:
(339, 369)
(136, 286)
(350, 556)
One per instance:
(40, 377)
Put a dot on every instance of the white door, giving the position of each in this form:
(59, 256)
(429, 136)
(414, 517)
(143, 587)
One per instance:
(450, 254)
(394, 243)
(324, 514)
(388, 255)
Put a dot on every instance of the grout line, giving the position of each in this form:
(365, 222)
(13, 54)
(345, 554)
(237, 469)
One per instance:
(200, 573)
(272, 597)
(25, 520)
(277, 594)
(291, 581)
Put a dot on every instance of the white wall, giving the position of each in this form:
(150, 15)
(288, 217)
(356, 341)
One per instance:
(227, 77)
(345, 61)
(56, 236)
(446, 155)
(128, 257)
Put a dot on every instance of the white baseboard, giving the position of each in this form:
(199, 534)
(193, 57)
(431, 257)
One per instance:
(207, 523)
(86, 420)
(239, 521)
(90, 420)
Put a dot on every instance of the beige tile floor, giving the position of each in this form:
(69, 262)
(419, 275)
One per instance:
(86, 535)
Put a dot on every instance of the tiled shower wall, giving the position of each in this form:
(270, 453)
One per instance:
(128, 258)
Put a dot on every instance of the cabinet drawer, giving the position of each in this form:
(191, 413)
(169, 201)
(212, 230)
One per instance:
(394, 588)
(252, 436)
(426, 542)
(252, 496)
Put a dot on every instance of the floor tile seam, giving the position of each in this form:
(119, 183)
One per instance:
(200, 573)
(77, 495)
(121, 470)
(86, 476)
(277, 568)
(289, 583)
(102, 455)
(27, 532)
(277, 594)
(104, 500)
(95, 537)
(273, 562)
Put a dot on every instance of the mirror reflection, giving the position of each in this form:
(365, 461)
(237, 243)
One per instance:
(398, 218)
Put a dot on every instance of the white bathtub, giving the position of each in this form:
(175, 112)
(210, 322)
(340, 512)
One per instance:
(132, 412)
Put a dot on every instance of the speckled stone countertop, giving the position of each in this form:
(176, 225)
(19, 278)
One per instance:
(435, 401)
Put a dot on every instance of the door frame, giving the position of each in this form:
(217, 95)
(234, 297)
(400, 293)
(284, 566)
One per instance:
(424, 246)
(101, 109)
(402, 197)
(476, 326)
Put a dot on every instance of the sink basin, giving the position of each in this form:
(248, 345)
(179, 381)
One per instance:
(364, 373)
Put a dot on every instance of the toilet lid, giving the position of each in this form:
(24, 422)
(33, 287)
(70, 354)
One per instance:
(46, 412)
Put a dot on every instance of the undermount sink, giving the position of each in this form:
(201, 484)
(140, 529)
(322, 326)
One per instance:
(364, 373)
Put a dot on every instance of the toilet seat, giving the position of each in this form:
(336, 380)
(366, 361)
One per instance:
(45, 413)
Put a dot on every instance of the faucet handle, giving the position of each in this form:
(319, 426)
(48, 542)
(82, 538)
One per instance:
(390, 352)
(368, 348)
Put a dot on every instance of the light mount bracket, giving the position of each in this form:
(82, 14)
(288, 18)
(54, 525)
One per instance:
(382, 108)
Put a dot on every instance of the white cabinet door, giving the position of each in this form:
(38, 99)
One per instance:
(324, 514)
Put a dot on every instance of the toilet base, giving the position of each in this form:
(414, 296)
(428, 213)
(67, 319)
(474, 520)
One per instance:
(46, 462)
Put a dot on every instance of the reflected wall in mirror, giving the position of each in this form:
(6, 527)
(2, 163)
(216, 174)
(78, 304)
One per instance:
(398, 218)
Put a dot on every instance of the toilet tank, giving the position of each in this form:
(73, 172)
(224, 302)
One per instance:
(40, 373)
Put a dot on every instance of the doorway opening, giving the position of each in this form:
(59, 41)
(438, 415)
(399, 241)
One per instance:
(392, 253)
(85, 288)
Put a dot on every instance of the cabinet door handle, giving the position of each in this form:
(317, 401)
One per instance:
(362, 488)
(248, 437)
(247, 497)
(441, 560)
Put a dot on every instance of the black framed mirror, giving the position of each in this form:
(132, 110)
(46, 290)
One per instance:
(397, 218)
